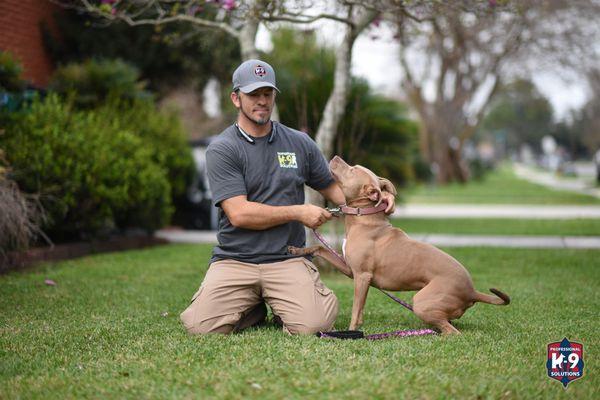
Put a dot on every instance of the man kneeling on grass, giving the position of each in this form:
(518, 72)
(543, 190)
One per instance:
(257, 169)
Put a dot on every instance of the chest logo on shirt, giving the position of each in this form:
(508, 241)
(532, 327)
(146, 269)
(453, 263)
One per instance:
(287, 160)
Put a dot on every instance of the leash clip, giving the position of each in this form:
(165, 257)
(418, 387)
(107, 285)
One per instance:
(336, 211)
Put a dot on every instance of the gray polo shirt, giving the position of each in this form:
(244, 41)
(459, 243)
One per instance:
(269, 170)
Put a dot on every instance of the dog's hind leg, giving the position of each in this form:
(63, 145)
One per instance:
(434, 309)
(433, 318)
(361, 289)
(446, 328)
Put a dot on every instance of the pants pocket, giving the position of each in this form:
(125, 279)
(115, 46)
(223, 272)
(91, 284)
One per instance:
(197, 294)
(316, 278)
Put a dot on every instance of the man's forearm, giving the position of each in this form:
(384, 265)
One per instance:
(258, 216)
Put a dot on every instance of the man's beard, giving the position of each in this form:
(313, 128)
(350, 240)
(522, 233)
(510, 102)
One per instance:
(258, 121)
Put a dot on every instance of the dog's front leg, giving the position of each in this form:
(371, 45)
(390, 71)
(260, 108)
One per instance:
(361, 289)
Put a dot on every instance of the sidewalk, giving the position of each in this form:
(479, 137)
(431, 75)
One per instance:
(496, 211)
(529, 242)
(551, 180)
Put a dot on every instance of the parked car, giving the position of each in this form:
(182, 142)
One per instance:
(195, 211)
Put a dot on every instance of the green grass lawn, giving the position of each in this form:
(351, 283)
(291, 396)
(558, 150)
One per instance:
(500, 226)
(101, 333)
(501, 186)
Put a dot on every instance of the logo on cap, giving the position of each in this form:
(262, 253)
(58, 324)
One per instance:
(260, 71)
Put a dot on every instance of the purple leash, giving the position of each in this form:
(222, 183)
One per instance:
(397, 300)
(331, 249)
(406, 333)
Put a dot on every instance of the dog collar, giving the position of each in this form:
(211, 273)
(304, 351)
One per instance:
(364, 210)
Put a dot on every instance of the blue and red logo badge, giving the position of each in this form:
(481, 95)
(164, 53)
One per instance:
(260, 71)
(565, 361)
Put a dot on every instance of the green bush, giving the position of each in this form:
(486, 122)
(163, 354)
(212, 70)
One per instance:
(14, 93)
(92, 82)
(113, 89)
(10, 73)
(480, 168)
(161, 132)
(92, 171)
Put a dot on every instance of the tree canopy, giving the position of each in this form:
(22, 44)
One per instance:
(166, 55)
(519, 114)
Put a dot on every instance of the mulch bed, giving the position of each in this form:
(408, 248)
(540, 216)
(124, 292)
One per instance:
(31, 257)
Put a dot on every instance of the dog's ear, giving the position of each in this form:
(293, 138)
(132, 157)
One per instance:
(387, 186)
(373, 193)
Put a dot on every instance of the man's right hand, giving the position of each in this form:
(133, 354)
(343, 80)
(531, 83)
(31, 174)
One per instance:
(312, 216)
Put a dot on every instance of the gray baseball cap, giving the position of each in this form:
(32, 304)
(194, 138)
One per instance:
(253, 74)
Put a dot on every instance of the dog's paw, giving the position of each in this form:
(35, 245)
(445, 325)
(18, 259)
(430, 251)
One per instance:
(297, 251)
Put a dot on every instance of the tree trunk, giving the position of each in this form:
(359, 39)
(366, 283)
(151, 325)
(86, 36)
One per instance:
(247, 39)
(336, 104)
(450, 166)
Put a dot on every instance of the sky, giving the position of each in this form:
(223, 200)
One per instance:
(376, 59)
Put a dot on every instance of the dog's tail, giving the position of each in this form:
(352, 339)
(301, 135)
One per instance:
(501, 299)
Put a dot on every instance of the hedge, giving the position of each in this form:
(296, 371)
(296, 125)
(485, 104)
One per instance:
(96, 170)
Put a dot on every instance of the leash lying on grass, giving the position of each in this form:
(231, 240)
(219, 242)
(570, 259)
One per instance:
(375, 336)
(360, 334)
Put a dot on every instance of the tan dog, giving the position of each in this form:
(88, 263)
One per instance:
(382, 256)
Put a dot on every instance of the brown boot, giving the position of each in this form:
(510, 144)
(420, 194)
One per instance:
(277, 320)
(255, 316)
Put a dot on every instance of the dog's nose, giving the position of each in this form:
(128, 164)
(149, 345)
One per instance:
(334, 161)
(339, 162)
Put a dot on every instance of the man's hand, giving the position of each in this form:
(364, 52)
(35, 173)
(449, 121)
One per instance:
(390, 199)
(312, 216)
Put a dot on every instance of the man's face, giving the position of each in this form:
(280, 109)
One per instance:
(257, 105)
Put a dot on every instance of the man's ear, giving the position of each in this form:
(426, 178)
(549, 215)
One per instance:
(387, 186)
(235, 99)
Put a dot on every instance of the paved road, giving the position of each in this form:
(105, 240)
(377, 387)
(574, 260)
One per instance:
(537, 242)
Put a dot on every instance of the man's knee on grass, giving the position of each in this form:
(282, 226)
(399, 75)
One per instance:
(222, 324)
(235, 322)
(321, 320)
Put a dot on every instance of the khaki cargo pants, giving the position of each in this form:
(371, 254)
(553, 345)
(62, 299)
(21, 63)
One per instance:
(231, 294)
